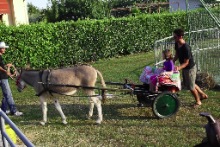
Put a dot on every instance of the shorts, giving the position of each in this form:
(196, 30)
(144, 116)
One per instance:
(189, 77)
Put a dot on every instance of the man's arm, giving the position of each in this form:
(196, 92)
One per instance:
(2, 69)
(175, 58)
(185, 63)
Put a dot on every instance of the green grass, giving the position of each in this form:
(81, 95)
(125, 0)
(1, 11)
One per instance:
(124, 124)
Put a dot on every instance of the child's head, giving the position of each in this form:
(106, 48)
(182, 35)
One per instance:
(167, 54)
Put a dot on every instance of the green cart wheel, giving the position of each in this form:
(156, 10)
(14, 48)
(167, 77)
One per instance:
(165, 105)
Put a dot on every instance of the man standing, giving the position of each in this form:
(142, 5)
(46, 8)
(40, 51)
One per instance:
(187, 65)
(6, 90)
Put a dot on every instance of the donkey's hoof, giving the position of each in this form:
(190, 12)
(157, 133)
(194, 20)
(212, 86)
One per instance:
(42, 123)
(98, 122)
(64, 122)
(89, 117)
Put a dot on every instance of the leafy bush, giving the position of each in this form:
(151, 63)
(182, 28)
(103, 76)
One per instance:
(49, 45)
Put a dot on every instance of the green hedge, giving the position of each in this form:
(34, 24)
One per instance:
(65, 43)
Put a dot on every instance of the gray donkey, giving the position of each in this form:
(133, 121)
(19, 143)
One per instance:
(80, 75)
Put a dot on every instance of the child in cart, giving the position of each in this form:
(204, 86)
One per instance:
(162, 77)
(168, 69)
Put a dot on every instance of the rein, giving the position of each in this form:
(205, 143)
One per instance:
(17, 81)
(9, 71)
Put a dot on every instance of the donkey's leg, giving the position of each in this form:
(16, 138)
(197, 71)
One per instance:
(91, 107)
(99, 109)
(95, 100)
(91, 102)
(44, 109)
(59, 109)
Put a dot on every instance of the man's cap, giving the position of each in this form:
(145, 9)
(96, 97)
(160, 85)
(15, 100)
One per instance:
(3, 45)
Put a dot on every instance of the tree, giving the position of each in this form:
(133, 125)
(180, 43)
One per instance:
(52, 13)
(127, 7)
(77, 9)
(65, 10)
(34, 13)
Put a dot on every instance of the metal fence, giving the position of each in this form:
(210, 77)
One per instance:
(6, 140)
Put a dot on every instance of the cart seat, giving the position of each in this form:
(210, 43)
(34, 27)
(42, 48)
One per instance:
(169, 80)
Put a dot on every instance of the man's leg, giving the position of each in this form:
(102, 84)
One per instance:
(196, 96)
(6, 90)
(4, 104)
(204, 96)
(189, 80)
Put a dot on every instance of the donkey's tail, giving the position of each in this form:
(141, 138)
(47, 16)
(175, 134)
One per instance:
(103, 85)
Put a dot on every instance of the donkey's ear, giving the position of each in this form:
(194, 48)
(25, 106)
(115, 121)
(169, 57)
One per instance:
(27, 66)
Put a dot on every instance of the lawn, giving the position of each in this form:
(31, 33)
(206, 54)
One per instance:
(124, 124)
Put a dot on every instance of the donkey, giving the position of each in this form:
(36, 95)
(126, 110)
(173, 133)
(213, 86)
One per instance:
(79, 75)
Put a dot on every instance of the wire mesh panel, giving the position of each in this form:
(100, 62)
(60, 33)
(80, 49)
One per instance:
(160, 45)
(206, 48)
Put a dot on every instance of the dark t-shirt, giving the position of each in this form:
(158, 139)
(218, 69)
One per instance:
(3, 75)
(184, 52)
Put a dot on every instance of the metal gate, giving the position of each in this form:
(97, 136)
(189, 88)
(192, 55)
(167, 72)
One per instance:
(6, 140)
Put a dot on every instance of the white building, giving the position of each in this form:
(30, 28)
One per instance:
(14, 12)
(176, 5)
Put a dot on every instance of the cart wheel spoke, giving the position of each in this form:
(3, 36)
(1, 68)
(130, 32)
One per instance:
(165, 105)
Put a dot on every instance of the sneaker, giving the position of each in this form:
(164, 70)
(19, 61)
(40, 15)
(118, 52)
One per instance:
(7, 112)
(17, 113)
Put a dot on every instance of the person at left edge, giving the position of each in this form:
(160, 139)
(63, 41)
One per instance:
(7, 100)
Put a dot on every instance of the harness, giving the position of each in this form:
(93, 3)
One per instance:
(45, 86)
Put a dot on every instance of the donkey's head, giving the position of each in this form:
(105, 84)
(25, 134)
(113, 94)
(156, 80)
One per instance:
(19, 82)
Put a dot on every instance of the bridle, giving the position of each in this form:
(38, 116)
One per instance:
(18, 83)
